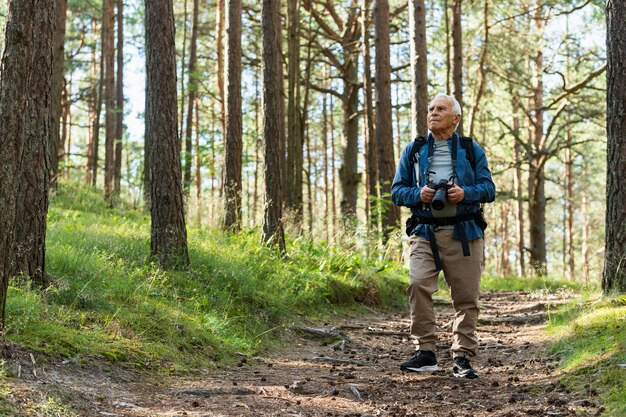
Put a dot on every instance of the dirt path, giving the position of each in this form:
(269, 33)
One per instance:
(360, 376)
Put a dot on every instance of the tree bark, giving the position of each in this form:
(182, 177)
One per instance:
(371, 160)
(419, 74)
(219, 64)
(482, 70)
(536, 173)
(273, 124)
(94, 126)
(232, 166)
(457, 58)
(108, 39)
(57, 90)
(384, 129)
(168, 232)
(518, 181)
(294, 130)
(614, 274)
(119, 101)
(193, 91)
(25, 93)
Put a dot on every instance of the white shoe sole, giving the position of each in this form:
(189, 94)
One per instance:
(431, 368)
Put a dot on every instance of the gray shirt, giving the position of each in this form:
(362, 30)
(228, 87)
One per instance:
(441, 169)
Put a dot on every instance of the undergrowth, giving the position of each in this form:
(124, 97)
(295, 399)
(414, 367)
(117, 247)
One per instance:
(107, 299)
(592, 349)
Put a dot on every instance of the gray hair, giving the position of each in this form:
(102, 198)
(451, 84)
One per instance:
(456, 107)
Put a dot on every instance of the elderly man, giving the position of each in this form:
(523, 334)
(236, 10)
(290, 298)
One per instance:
(443, 178)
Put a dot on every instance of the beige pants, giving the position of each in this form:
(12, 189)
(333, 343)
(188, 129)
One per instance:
(462, 273)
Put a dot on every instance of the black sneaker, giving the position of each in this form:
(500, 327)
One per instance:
(423, 361)
(463, 369)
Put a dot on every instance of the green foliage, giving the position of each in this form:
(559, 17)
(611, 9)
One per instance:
(592, 349)
(107, 300)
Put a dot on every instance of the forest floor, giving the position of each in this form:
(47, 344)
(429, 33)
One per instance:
(353, 374)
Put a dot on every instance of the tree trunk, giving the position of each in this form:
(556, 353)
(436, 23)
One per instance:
(233, 157)
(536, 173)
(586, 232)
(94, 143)
(119, 100)
(24, 139)
(371, 160)
(569, 203)
(419, 74)
(273, 124)
(384, 129)
(219, 64)
(182, 73)
(257, 146)
(294, 130)
(348, 172)
(446, 15)
(327, 215)
(519, 197)
(193, 90)
(505, 265)
(198, 172)
(482, 70)
(168, 234)
(57, 90)
(614, 274)
(108, 38)
(457, 58)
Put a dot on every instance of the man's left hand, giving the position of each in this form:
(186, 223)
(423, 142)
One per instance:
(456, 194)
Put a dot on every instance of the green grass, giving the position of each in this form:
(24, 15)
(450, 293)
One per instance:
(592, 348)
(530, 283)
(108, 300)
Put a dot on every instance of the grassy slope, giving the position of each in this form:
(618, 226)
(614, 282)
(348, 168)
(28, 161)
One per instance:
(592, 347)
(108, 300)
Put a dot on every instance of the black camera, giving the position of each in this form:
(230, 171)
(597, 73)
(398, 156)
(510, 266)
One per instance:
(441, 194)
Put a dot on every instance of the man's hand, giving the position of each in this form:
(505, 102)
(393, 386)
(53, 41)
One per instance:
(455, 194)
(427, 194)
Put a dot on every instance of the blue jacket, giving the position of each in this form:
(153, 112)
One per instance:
(477, 186)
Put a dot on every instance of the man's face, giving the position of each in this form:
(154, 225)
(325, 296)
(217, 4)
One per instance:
(440, 116)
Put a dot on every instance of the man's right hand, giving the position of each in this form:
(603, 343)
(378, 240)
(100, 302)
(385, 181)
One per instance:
(427, 194)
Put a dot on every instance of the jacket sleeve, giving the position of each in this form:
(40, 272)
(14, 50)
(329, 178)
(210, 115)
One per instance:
(404, 190)
(483, 190)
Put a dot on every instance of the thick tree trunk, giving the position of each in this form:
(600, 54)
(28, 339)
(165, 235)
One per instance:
(419, 74)
(384, 129)
(614, 274)
(457, 58)
(119, 100)
(371, 160)
(168, 233)
(294, 130)
(273, 124)
(519, 193)
(348, 173)
(232, 165)
(57, 90)
(108, 39)
(24, 139)
(193, 90)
